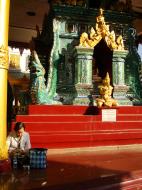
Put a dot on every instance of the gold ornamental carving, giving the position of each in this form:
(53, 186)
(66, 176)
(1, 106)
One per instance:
(101, 31)
(4, 58)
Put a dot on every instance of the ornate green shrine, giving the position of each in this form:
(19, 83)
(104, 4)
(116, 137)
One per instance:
(70, 70)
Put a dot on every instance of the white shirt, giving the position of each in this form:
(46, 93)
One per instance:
(15, 142)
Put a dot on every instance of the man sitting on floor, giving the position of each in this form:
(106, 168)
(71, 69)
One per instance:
(18, 141)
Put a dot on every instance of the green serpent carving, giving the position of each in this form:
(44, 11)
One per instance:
(38, 91)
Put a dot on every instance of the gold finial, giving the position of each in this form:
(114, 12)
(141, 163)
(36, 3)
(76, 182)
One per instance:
(101, 11)
(107, 77)
(100, 18)
(106, 80)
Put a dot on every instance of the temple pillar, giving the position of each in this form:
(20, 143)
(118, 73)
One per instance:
(118, 77)
(83, 75)
(4, 23)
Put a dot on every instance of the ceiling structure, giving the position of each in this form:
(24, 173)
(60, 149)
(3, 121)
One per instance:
(26, 14)
(22, 21)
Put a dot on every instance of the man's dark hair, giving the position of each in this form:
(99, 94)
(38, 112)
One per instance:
(18, 126)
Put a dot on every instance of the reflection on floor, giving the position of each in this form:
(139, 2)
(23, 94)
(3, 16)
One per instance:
(81, 169)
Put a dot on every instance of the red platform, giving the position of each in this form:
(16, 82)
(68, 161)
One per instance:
(60, 126)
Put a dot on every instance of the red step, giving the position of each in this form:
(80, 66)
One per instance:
(130, 109)
(129, 117)
(72, 134)
(74, 138)
(58, 118)
(58, 126)
(74, 109)
(97, 125)
(75, 118)
(62, 109)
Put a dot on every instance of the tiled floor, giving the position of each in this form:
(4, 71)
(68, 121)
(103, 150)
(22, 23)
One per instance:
(81, 169)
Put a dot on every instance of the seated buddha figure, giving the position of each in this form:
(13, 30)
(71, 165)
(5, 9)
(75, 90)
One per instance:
(105, 90)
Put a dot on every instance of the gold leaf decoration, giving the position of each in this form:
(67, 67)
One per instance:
(4, 58)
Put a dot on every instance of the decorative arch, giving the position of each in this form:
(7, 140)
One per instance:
(104, 43)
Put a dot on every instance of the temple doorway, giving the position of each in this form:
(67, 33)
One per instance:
(102, 57)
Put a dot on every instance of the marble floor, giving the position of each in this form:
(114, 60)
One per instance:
(81, 169)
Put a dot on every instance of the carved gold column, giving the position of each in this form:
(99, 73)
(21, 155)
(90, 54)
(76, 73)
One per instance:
(4, 24)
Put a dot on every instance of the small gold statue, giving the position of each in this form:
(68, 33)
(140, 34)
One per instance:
(84, 40)
(120, 43)
(94, 36)
(105, 90)
(110, 40)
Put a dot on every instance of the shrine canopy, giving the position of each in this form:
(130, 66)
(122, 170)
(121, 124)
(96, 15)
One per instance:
(101, 31)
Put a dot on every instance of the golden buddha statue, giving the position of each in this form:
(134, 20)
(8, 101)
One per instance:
(105, 90)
